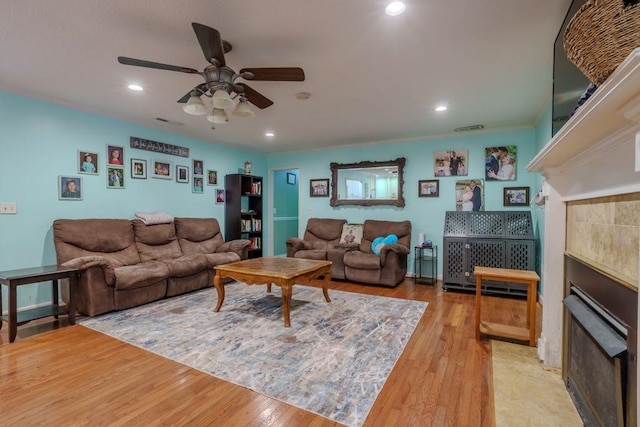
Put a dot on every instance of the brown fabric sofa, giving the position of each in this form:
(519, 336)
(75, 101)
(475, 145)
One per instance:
(127, 263)
(390, 267)
(356, 262)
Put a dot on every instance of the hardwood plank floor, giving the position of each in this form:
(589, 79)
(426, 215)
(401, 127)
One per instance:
(57, 374)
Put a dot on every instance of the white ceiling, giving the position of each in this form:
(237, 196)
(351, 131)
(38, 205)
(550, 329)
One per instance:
(371, 77)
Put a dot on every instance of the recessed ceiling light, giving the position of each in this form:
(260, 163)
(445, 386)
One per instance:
(269, 134)
(395, 8)
(137, 88)
(441, 108)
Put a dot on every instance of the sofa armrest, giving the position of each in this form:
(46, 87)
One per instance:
(394, 248)
(84, 263)
(295, 244)
(239, 246)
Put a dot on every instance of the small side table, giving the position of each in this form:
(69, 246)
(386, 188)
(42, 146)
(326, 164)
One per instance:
(529, 278)
(428, 256)
(14, 278)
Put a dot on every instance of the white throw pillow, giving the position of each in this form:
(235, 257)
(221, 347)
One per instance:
(351, 233)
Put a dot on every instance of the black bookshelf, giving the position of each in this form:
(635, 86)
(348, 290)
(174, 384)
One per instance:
(243, 210)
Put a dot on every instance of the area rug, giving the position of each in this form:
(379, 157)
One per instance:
(332, 361)
(525, 392)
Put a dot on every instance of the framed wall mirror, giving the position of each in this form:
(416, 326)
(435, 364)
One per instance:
(367, 183)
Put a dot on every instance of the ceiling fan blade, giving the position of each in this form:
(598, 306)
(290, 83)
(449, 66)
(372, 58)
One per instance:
(202, 87)
(210, 43)
(255, 97)
(148, 64)
(281, 74)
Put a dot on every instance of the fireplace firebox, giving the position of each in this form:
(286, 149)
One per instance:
(600, 346)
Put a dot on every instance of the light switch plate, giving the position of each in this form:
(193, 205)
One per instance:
(8, 208)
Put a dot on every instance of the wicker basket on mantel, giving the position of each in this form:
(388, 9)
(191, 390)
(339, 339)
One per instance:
(601, 35)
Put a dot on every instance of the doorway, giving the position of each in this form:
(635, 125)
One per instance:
(284, 214)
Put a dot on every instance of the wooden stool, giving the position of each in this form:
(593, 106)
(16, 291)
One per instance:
(529, 278)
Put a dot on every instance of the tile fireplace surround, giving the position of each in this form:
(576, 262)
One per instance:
(592, 177)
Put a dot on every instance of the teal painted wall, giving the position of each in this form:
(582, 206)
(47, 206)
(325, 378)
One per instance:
(41, 140)
(285, 203)
(425, 214)
(543, 135)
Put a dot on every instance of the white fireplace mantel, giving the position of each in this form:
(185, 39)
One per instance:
(595, 154)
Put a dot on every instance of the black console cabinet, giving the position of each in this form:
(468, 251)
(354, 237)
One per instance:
(498, 239)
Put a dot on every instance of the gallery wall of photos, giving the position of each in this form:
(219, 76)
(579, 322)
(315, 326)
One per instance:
(112, 162)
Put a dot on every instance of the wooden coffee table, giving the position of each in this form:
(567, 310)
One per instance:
(284, 272)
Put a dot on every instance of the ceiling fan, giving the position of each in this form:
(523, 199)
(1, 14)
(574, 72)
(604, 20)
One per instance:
(220, 81)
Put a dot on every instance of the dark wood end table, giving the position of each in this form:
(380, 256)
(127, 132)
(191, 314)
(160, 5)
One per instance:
(14, 278)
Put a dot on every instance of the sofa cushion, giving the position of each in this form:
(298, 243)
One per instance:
(156, 242)
(351, 233)
(75, 238)
(361, 261)
(186, 265)
(198, 235)
(319, 254)
(375, 228)
(139, 275)
(326, 229)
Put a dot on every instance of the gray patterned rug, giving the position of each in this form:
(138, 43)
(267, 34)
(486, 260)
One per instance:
(333, 361)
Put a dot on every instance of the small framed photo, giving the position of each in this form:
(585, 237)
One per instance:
(197, 184)
(88, 162)
(291, 178)
(516, 196)
(182, 173)
(138, 169)
(212, 177)
(115, 177)
(197, 167)
(69, 187)
(115, 155)
(219, 196)
(429, 188)
(162, 169)
(318, 187)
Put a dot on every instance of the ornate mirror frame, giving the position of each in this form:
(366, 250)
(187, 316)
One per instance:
(335, 167)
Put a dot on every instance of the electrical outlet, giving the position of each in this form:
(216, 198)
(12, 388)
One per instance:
(8, 208)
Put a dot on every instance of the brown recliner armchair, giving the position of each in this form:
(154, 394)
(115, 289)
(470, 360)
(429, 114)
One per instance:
(390, 267)
(320, 235)
(321, 241)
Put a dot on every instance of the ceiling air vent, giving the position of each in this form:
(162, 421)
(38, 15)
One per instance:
(468, 128)
(171, 122)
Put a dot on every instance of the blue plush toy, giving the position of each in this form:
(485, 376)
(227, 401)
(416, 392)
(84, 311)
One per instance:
(379, 242)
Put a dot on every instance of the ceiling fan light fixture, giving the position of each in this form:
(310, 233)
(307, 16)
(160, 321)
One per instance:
(243, 110)
(195, 106)
(218, 116)
(221, 99)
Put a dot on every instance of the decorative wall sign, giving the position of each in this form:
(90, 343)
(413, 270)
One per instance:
(158, 147)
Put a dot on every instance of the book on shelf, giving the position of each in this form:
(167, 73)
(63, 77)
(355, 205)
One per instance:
(253, 224)
(256, 188)
(255, 242)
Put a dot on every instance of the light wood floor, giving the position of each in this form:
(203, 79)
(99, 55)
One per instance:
(62, 375)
